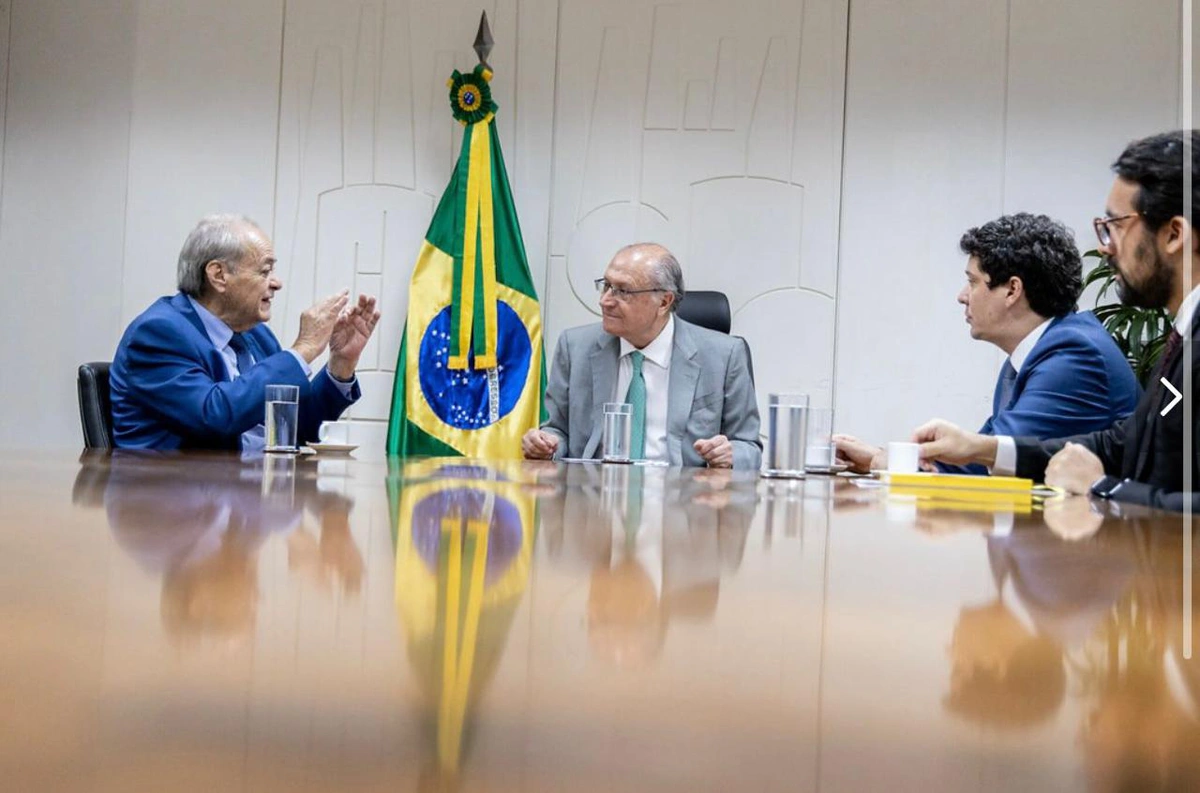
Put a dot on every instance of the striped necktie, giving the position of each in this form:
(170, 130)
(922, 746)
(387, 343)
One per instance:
(636, 396)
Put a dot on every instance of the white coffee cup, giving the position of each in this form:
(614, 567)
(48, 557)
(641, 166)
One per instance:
(334, 432)
(903, 458)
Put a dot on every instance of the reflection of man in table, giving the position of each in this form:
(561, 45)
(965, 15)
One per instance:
(202, 528)
(1051, 597)
(690, 388)
(655, 544)
(191, 371)
(1144, 731)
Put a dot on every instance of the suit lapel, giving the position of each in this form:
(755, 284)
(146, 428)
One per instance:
(1154, 399)
(681, 388)
(603, 361)
(216, 364)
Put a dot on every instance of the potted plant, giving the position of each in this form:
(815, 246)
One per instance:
(1141, 333)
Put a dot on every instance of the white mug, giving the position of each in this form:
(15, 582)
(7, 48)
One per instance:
(334, 432)
(903, 458)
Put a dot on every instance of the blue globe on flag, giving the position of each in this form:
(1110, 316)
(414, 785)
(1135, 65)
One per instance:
(463, 398)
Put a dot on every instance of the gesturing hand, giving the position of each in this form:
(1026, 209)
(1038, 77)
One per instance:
(317, 323)
(350, 335)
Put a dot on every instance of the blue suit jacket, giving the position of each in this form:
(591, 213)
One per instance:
(1074, 381)
(171, 390)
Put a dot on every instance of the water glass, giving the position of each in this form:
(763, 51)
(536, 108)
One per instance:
(787, 433)
(283, 410)
(618, 431)
(819, 450)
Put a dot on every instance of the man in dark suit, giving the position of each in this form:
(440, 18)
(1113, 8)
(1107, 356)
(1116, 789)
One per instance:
(1153, 247)
(1064, 374)
(191, 371)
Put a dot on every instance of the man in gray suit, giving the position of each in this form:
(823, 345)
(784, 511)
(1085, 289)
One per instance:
(690, 388)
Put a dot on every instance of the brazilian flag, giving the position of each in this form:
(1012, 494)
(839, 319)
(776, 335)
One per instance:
(470, 377)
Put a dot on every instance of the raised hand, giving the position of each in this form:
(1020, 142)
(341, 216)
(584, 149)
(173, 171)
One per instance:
(350, 335)
(317, 323)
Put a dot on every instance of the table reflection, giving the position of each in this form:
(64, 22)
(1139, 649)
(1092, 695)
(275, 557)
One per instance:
(200, 524)
(452, 624)
(464, 542)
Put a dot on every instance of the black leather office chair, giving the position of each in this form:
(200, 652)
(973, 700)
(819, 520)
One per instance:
(95, 405)
(711, 310)
(706, 309)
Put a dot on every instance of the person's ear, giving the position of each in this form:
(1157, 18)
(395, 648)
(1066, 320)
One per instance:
(1175, 233)
(1014, 291)
(216, 274)
(667, 301)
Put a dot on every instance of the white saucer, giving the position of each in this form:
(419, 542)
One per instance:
(826, 469)
(333, 448)
(771, 473)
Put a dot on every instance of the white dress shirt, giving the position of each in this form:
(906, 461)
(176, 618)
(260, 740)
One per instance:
(656, 370)
(1006, 447)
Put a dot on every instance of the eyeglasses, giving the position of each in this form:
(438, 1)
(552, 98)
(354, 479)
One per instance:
(1101, 225)
(603, 286)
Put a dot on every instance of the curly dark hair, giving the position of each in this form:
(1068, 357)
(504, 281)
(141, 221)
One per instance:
(1155, 165)
(1038, 250)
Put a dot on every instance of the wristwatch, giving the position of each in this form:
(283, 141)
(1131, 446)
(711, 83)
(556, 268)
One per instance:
(1106, 486)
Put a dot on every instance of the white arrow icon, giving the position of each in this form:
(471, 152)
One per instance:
(1173, 402)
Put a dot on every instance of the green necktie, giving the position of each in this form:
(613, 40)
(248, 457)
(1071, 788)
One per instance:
(636, 396)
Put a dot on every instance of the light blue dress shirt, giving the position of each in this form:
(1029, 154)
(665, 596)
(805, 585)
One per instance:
(254, 439)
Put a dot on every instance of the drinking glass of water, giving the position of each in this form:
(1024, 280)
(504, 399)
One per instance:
(787, 431)
(283, 409)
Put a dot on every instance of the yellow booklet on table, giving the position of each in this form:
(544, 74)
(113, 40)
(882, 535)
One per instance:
(990, 490)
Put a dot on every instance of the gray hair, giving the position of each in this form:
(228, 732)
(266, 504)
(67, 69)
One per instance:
(668, 275)
(216, 237)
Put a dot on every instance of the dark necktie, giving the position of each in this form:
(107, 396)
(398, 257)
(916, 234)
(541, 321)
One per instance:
(238, 344)
(1008, 378)
(1174, 340)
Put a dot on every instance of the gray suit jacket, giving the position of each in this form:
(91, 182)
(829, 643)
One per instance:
(710, 393)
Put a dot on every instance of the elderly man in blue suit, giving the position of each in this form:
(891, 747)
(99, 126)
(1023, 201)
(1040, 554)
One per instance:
(1064, 374)
(690, 387)
(191, 371)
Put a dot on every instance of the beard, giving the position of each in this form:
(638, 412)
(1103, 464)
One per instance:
(1155, 290)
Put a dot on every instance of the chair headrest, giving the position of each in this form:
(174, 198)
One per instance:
(706, 309)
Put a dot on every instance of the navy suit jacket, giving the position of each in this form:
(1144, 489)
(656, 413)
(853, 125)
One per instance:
(1074, 381)
(1145, 449)
(170, 386)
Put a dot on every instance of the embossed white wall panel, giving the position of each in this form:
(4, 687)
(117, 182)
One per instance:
(924, 161)
(701, 125)
(711, 126)
(958, 112)
(202, 133)
(62, 208)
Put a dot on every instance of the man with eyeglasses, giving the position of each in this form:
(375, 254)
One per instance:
(690, 388)
(1151, 240)
(1064, 374)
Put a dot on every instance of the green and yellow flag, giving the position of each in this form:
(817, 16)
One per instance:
(470, 377)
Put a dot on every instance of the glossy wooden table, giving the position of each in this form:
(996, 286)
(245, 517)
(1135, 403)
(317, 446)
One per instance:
(212, 624)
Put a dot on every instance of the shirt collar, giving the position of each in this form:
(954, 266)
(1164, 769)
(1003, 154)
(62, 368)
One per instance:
(1022, 350)
(218, 332)
(659, 350)
(1187, 310)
